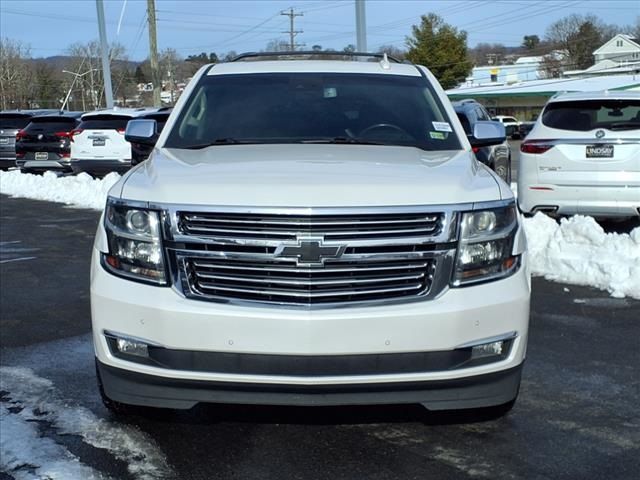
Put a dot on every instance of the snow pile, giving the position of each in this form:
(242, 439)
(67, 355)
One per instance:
(578, 251)
(79, 190)
(29, 401)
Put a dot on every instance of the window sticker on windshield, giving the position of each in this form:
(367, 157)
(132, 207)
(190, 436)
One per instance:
(330, 92)
(442, 126)
(438, 135)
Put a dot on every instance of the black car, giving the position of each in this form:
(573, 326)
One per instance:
(11, 122)
(497, 157)
(140, 152)
(44, 144)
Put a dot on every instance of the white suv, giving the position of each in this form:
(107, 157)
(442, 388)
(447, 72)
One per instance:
(311, 232)
(583, 156)
(98, 145)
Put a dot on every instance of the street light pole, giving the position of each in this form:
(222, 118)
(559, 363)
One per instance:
(361, 27)
(106, 67)
(75, 77)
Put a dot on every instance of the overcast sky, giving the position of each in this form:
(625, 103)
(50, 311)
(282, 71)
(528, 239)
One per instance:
(193, 26)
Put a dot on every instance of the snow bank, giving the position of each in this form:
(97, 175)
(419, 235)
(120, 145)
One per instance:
(578, 251)
(80, 190)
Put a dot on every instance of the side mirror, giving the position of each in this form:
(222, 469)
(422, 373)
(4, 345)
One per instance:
(142, 131)
(487, 133)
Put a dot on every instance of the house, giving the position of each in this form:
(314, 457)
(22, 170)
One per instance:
(621, 48)
(620, 55)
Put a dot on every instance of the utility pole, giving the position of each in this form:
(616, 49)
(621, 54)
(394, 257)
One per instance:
(361, 27)
(153, 53)
(292, 31)
(104, 47)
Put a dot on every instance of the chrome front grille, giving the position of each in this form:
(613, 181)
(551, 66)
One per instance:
(229, 255)
(336, 282)
(344, 227)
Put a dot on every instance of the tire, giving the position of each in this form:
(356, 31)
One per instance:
(502, 168)
(117, 408)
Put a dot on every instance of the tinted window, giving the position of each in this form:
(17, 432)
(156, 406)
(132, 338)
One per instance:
(51, 125)
(465, 123)
(299, 107)
(105, 122)
(591, 114)
(13, 121)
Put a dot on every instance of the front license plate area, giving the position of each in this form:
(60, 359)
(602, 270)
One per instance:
(99, 142)
(599, 151)
(42, 156)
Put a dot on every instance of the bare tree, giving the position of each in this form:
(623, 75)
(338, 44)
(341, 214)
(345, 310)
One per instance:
(14, 74)
(86, 58)
(579, 36)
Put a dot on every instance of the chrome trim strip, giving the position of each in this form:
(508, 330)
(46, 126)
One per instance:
(309, 282)
(483, 341)
(116, 335)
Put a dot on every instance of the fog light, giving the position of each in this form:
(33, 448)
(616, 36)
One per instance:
(487, 350)
(131, 347)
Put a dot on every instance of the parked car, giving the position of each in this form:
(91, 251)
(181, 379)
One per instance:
(44, 144)
(98, 145)
(583, 156)
(496, 157)
(525, 128)
(311, 233)
(141, 151)
(511, 125)
(11, 122)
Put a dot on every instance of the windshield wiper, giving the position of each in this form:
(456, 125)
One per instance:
(217, 141)
(344, 140)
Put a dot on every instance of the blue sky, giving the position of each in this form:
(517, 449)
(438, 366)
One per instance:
(193, 26)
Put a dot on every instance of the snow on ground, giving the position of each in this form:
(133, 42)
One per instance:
(576, 251)
(78, 190)
(28, 401)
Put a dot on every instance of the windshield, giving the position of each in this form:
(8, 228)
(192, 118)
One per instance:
(9, 121)
(313, 108)
(591, 114)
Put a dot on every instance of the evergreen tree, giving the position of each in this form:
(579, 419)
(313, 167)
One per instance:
(441, 48)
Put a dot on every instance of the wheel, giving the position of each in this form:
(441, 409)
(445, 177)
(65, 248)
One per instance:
(504, 171)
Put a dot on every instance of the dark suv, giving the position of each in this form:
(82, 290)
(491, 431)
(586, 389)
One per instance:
(11, 122)
(496, 157)
(44, 144)
(139, 151)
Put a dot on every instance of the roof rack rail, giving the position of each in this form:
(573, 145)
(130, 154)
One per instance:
(306, 53)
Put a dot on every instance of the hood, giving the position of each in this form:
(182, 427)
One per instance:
(310, 176)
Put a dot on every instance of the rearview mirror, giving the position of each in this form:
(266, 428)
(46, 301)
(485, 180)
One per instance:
(143, 131)
(486, 133)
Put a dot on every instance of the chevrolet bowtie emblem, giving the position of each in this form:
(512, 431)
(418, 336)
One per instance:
(309, 251)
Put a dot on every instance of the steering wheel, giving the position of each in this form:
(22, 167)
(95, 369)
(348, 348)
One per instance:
(387, 126)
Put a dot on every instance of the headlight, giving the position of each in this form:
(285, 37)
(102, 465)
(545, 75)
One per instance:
(485, 251)
(135, 247)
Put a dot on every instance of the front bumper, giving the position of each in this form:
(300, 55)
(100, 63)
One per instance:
(134, 388)
(100, 167)
(164, 317)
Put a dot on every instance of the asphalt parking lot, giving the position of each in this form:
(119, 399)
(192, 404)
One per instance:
(577, 416)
